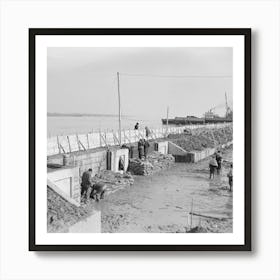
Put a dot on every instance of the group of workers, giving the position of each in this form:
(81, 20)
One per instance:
(215, 164)
(147, 130)
(96, 190)
(143, 144)
(90, 188)
(143, 148)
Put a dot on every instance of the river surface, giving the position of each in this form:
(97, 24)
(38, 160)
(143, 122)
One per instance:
(66, 125)
(161, 202)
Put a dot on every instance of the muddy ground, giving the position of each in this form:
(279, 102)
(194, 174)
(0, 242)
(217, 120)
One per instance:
(162, 202)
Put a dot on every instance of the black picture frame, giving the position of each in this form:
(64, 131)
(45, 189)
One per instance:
(246, 32)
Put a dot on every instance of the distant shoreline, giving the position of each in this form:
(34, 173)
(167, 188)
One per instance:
(81, 115)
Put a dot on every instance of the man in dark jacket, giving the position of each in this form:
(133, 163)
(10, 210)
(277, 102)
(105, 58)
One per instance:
(148, 132)
(141, 148)
(86, 184)
(219, 161)
(146, 148)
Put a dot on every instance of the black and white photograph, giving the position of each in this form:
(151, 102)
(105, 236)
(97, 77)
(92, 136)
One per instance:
(143, 136)
(139, 140)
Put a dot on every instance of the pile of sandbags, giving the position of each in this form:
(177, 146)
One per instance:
(114, 181)
(154, 162)
(160, 161)
(140, 167)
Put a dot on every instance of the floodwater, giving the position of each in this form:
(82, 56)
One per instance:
(161, 202)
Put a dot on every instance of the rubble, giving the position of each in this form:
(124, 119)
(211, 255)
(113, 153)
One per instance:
(154, 162)
(114, 181)
(202, 139)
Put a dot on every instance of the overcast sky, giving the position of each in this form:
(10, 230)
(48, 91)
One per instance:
(84, 80)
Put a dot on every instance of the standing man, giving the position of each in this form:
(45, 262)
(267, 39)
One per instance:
(230, 177)
(141, 148)
(86, 184)
(212, 166)
(219, 161)
(136, 126)
(146, 147)
(148, 132)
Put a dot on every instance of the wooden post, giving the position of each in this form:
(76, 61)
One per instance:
(59, 149)
(114, 139)
(87, 141)
(100, 138)
(78, 142)
(119, 98)
(69, 144)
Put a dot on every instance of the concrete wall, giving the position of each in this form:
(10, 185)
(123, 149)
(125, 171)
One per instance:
(67, 180)
(196, 156)
(174, 149)
(116, 153)
(94, 159)
(162, 147)
(182, 155)
(91, 224)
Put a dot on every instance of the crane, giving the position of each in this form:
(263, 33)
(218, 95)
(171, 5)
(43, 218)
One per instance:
(228, 109)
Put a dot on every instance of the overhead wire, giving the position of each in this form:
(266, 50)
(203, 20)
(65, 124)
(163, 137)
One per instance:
(176, 76)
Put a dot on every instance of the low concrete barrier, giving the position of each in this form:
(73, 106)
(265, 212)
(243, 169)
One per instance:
(161, 147)
(175, 150)
(61, 191)
(196, 156)
(114, 158)
(182, 155)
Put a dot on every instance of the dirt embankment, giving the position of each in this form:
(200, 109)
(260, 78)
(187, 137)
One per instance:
(201, 139)
(62, 214)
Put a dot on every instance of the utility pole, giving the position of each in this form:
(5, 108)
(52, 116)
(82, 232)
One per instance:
(226, 104)
(167, 115)
(119, 99)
